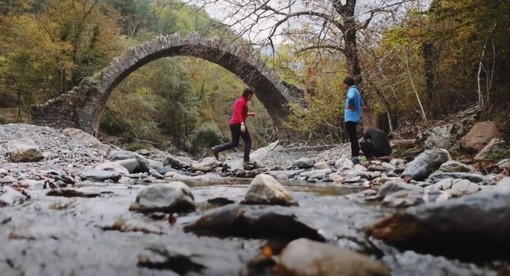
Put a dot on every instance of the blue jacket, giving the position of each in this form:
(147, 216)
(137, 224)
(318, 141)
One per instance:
(353, 97)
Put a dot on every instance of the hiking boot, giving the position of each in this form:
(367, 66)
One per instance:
(247, 165)
(215, 151)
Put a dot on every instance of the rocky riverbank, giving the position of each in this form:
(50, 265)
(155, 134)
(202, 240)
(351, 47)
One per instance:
(70, 204)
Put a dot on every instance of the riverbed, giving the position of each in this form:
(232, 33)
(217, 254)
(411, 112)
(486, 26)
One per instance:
(50, 235)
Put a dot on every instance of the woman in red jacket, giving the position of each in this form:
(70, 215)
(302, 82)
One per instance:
(238, 126)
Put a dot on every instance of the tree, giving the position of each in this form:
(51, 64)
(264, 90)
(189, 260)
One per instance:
(86, 33)
(328, 25)
(474, 42)
(322, 28)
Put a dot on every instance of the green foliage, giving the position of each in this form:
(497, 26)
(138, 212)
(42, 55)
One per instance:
(320, 118)
(4, 119)
(138, 146)
(205, 136)
(501, 154)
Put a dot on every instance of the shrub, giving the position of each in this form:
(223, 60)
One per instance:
(206, 135)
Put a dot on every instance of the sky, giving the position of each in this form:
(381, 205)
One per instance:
(222, 11)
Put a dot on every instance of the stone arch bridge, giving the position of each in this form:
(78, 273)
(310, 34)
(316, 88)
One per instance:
(83, 105)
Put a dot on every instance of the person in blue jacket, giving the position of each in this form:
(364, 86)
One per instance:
(352, 115)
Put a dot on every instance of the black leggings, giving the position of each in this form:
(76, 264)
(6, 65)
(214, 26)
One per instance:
(235, 130)
(351, 131)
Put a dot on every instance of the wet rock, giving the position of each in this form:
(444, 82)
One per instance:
(58, 176)
(71, 193)
(253, 222)
(3, 152)
(425, 163)
(135, 165)
(481, 220)
(100, 175)
(265, 189)
(260, 265)
(303, 257)
(132, 226)
(220, 201)
(24, 150)
(112, 166)
(404, 198)
(172, 197)
(193, 258)
(207, 164)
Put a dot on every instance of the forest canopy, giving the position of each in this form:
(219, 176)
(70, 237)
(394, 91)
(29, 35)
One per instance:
(416, 62)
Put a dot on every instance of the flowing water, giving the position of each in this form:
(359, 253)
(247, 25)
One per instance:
(65, 236)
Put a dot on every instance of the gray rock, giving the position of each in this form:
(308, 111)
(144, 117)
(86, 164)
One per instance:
(253, 221)
(303, 257)
(395, 186)
(100, 175)
(425, 163)
(265, 189)
(24, 150)
(481, 220)
(455, 166)
(473, 177)
(172, 197)
(303, 163)
(404, 198)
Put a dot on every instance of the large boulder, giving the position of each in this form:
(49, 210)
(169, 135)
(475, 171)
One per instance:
(303, 257)
(425, 163)
(253, 221)
(475, 225)
(479, 136)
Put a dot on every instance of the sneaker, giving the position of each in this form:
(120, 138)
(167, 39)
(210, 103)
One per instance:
(215, 152)
(355, 160)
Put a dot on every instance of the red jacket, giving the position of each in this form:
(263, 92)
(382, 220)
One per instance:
(239, 111)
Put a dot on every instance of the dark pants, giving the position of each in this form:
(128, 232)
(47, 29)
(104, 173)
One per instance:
(351, 132)
(235, 130)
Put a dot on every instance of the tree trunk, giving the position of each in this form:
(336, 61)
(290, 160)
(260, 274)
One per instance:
(430, 58)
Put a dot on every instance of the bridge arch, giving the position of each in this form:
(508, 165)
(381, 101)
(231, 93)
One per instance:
(83, 105)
